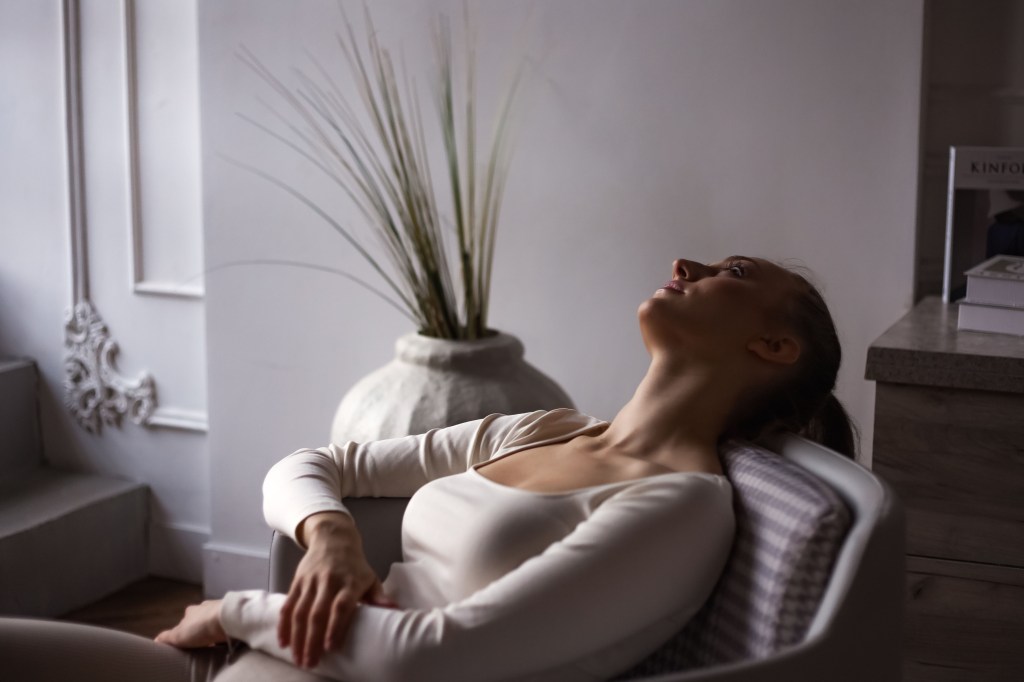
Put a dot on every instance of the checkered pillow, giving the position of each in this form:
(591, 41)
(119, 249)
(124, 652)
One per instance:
(789, 528)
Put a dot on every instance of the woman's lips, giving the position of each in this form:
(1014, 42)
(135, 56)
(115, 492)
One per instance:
(674, 286)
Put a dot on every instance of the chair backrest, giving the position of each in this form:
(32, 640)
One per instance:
(813, 588)
(789, 529)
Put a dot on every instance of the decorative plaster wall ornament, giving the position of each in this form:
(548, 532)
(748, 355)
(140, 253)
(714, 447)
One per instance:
(94, 391)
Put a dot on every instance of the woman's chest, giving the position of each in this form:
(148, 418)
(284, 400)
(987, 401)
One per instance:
(467, 532)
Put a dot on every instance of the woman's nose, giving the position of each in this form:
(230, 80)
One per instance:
(689, 270)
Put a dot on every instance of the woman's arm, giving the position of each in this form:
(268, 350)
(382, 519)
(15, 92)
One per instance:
(302, 498)
(315, 480)
(591, 604)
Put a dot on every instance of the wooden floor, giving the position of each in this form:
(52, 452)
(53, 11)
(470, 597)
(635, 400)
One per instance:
(143, 608)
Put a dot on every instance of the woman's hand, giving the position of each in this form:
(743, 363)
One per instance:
(198, 628)
(332, 578)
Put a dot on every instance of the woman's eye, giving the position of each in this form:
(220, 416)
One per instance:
(737, 270)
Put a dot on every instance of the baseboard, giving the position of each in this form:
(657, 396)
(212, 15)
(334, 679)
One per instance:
(234, 567)
(176, 550)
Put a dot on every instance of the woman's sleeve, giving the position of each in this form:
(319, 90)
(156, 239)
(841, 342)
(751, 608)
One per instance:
(648, 555)
(314, 480)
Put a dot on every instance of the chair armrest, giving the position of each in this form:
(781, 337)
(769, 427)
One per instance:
(379, 520)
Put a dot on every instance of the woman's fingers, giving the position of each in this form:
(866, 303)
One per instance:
(300, 617)
(330, 581)
(376, 596)
(284, 622)
(342, 610)
(318, 617)
(199, 627)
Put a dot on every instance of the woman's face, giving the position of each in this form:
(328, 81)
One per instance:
(717, 310)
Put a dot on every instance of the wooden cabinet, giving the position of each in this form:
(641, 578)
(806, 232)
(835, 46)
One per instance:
(949, 437)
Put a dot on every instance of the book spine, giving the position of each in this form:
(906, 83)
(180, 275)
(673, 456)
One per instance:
(993, 319)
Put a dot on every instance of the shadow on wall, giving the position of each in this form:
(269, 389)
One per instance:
(4, 322)
(51, 407)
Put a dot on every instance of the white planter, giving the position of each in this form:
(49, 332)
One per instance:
(438, 382)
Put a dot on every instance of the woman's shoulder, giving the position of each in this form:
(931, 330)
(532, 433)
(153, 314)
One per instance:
(679, 492)
(543, 425)
(676, 480)
(561, 417)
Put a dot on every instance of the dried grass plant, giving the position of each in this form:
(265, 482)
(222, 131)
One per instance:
(375, 150)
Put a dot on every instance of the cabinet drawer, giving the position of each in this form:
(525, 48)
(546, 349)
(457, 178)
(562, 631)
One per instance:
(956, 459)
(964, 622)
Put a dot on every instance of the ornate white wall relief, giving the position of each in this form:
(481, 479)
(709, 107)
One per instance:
(94, 391)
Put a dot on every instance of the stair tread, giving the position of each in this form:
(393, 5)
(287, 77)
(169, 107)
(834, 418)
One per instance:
(7, 364)
(31, 498)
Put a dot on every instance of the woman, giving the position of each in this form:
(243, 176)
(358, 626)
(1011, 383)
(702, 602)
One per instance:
(551, 545)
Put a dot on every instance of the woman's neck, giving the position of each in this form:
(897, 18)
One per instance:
(675, 417)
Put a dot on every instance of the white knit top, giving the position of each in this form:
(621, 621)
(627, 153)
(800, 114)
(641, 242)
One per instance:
(499, 583)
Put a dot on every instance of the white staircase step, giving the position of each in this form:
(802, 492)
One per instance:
(67, 539)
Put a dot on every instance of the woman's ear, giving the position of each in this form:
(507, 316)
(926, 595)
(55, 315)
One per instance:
(783, 350)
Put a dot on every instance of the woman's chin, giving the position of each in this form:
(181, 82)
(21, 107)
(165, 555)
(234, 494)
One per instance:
(659, 302)
(644, 310)
(658, 318)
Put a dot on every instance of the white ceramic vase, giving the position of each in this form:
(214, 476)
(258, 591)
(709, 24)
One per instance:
(438, 382)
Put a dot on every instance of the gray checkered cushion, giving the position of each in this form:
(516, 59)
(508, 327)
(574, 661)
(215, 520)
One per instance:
(789, 529)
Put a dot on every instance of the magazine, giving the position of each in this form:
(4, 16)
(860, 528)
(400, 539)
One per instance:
(997, 281)
(999, 319)
(984, 211)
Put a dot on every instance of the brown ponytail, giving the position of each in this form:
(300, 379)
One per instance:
(832, 427)
(804, 403)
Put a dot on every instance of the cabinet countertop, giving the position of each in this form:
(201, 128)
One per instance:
(925, 348)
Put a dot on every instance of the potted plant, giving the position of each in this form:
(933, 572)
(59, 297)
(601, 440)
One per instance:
(454, 367)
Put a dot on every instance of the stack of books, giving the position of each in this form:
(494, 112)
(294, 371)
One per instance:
(995, 297)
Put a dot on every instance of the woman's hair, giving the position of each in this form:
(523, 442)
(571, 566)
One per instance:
(804, 402)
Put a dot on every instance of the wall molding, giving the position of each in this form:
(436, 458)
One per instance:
(168, 289)
(176, 550)
(79, 262)
(138, 282)
(234, 567)
(94, 390)
(179, 418)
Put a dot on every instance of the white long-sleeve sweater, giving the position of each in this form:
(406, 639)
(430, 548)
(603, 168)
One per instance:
(499, 583)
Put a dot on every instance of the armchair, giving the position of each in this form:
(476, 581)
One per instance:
(813, 589)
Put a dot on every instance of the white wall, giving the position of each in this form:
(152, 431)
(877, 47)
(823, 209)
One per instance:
(160, 334)
(787, 129)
